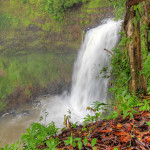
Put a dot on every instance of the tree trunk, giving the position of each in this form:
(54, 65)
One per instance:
(147, 22)
(137, 83)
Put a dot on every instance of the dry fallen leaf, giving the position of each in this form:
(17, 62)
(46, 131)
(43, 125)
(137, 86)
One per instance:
(125, 139)
(105, 131)
(148, 139)
(129, 127)
(121, 133)
(88, 144)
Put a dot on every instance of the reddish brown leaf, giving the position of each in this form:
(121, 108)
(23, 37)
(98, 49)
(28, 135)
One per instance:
(88, 144)
(143, 133)
(104, 124)
(139, 136)
(125, 139)
(147, 97)
(69, 124)
(105, 131)
(121, 133)
(148, 139)
(142, 147)
(132, 123)
(146, 114)
(129, 127)
(85, 134)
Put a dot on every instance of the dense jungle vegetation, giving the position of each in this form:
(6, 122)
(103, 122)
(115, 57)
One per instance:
(127, 111)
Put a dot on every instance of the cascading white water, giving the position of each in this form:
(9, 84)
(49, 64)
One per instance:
(88, 84)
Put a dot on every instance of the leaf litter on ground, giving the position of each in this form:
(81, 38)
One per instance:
(116, 134)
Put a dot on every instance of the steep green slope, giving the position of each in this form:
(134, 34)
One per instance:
(26, 27)
(37, 49)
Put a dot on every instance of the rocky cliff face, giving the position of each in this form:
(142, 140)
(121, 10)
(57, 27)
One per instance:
(26, 31)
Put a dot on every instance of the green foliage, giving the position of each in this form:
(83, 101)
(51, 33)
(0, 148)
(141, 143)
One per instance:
(148, 123)
(96, 4)
(146, 71)
(24, 1)
(97, 108)
(55, 8)
(4, 21)
(2, 105)
(119, 8)
(127, 106)
(84, 128)
(93, 142)
(85, 141)
(140, 16)
(73, 141)
(7, 21)
(52, 143)
(79, 145)
(74, 125)
(113, 115)
(89, 118)
(28, 93)
(37, 133)
(122, 99)
(104, 72)
(14, 146)
(120, 73)
(144, 105)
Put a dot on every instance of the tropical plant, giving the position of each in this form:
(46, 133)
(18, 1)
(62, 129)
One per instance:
(73, 141)
(97, 108)
(37, 133)
(52, 143)
(15, 146)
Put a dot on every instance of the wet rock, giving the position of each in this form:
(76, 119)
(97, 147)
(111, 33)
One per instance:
(25, 112)
(37, 103)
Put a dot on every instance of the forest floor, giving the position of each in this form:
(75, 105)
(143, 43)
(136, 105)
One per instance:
(116, 134)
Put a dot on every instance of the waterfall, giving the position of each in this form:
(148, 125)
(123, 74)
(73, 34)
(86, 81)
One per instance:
(88, 85)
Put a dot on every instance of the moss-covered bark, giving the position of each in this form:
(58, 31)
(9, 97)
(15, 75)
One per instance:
(132, 29)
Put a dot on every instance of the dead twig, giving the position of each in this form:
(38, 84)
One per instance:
(108, 51)
(141, 144)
